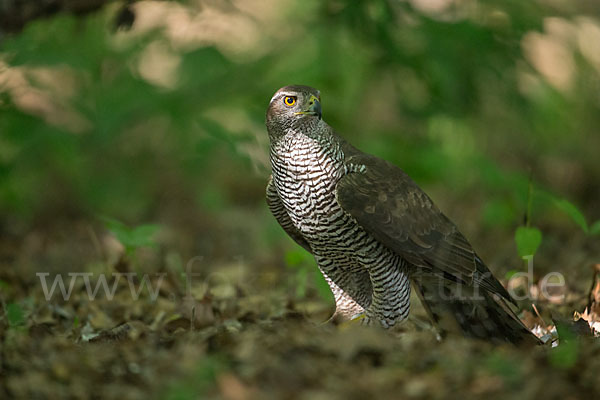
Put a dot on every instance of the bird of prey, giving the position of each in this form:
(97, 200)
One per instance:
(373, 231)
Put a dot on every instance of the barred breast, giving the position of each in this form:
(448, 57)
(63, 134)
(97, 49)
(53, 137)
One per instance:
(305, 174)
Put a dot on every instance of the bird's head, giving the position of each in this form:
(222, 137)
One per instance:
(292, 106)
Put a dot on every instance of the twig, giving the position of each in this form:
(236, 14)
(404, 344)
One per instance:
(193, 320)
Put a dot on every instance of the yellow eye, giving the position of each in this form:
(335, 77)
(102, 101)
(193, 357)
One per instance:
(289, 101)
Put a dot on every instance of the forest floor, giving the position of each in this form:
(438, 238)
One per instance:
(235, 329)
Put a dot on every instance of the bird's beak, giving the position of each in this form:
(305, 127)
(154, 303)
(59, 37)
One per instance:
(314, 107)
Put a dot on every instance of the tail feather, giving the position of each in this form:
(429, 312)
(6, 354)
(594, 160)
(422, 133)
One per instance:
(471, 311)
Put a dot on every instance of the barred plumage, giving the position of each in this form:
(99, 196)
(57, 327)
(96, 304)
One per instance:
(305, 173)
(373, 231)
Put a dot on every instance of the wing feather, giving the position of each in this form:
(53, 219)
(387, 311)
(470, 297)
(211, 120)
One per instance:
(391, 207)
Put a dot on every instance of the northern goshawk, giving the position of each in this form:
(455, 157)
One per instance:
(373, 231)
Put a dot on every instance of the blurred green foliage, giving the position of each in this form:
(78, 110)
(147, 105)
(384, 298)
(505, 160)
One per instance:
(132, 238)
(306, 274)
(566, 355)
(508, 368)
(197, 383)
(15, 315)
(465, 97)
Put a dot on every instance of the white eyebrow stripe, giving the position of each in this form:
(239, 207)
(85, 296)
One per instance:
(279, 94)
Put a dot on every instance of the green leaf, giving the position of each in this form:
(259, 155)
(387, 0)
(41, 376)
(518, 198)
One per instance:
(595, 228)
(143, 235)
(565, 355)
(117, 228)
(132, 238)
(572, 212)
(15, 315)
(528, 240)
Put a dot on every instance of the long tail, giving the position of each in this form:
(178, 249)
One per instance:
(473, 312)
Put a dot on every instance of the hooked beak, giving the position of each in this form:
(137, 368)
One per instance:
(314, 107)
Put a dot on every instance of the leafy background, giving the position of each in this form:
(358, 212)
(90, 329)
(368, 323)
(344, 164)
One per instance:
(132, 139)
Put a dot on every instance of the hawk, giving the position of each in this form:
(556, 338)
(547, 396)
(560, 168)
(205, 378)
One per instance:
(374, 232)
